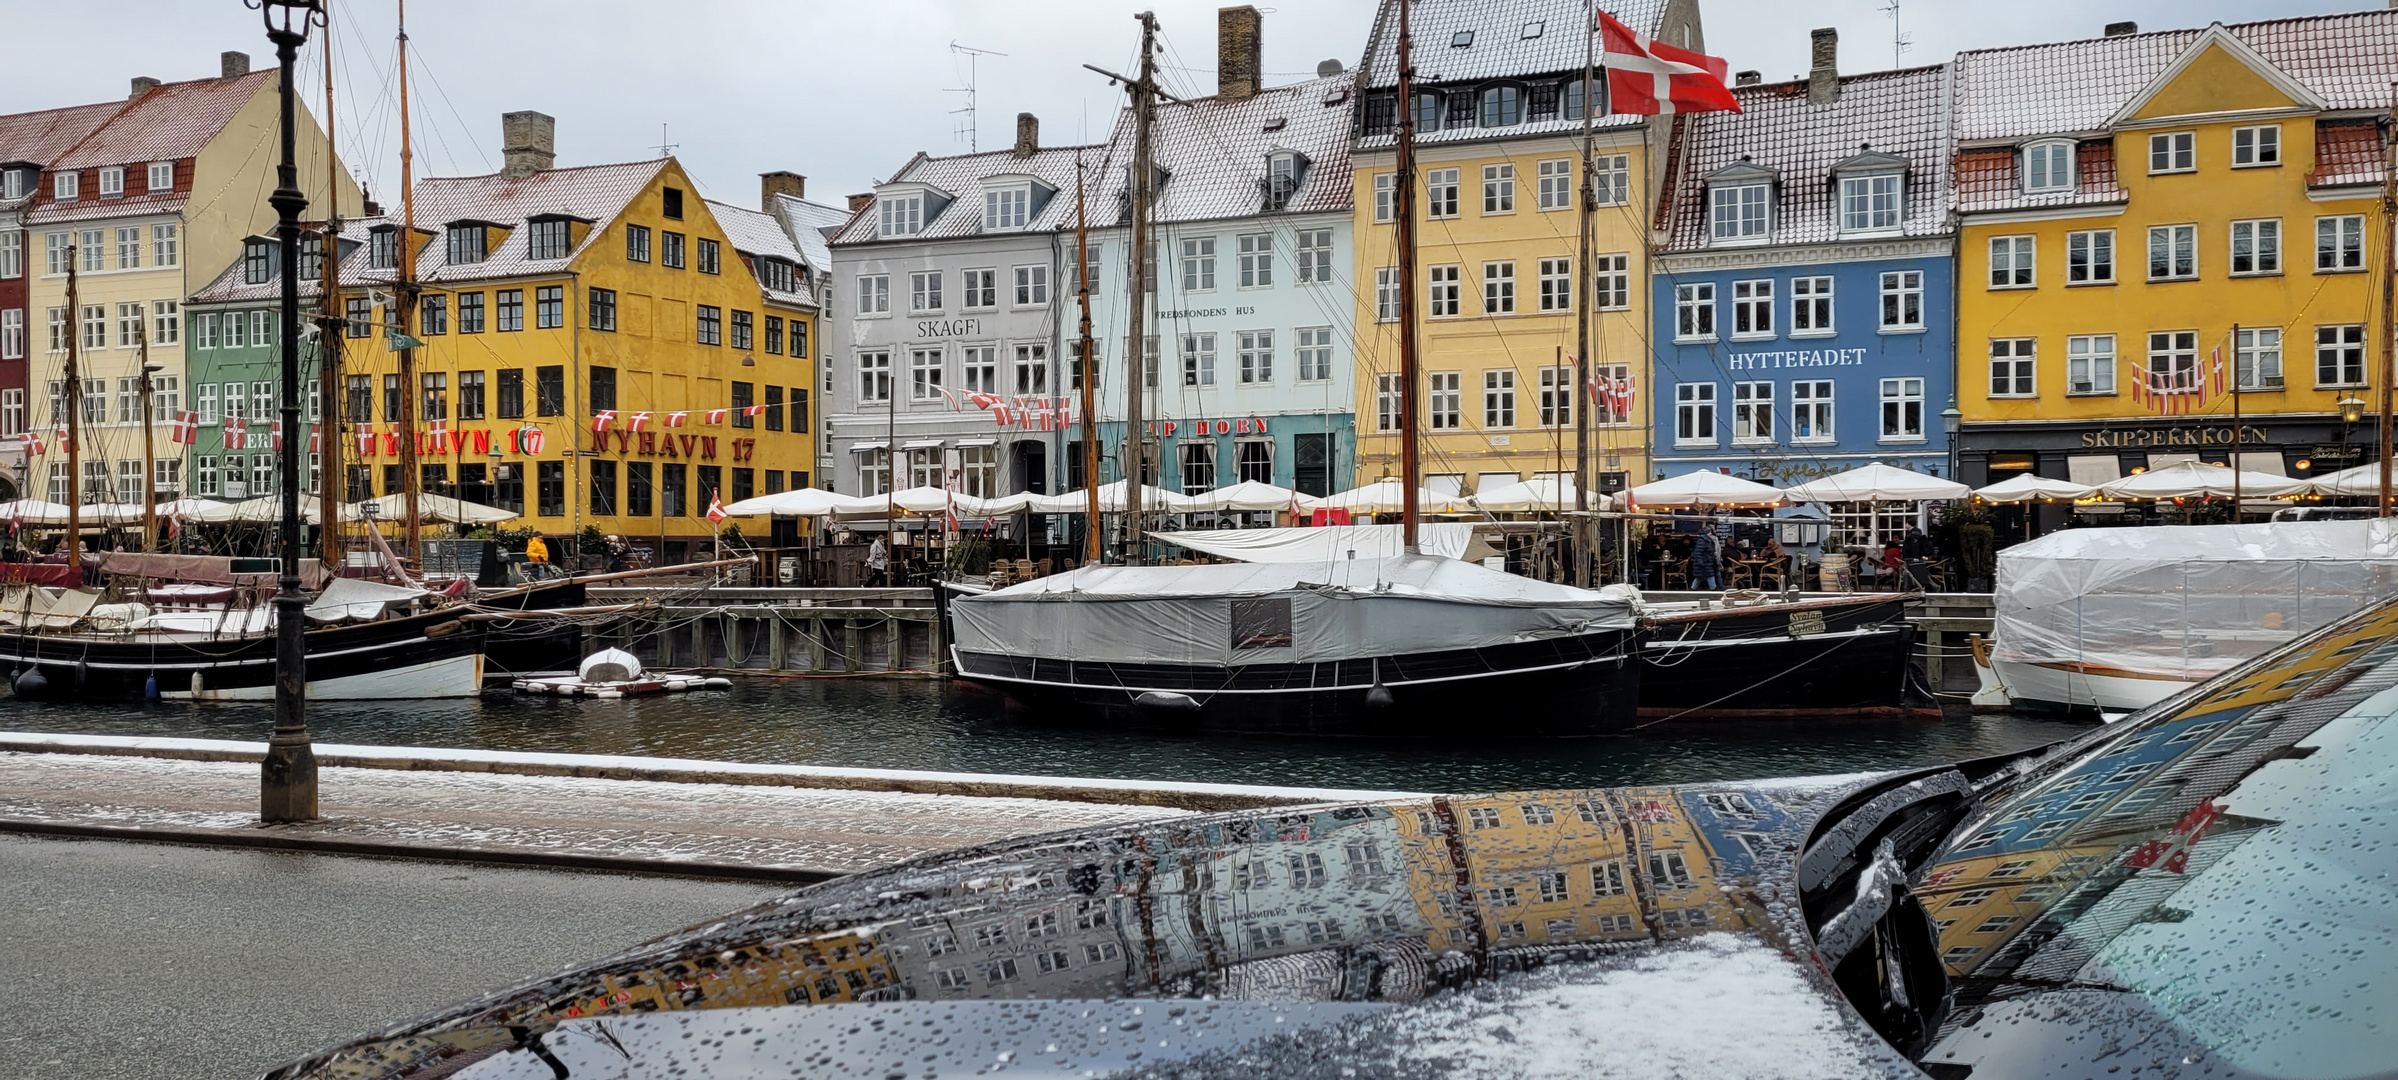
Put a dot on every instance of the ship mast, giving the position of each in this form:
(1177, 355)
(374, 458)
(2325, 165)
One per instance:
(1582, 304)
(2389, 290)
(330, 474)
(1087, 372)
(74, 406)
(1136, 352)
(405, 296)
(1403, 212)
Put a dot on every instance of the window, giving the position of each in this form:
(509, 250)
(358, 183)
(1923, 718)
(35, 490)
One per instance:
(1498, 189)
(1669, 870)
(1444, 291)
(925, 372)
(2011, 259)
(1811, 411)
(129, 247)
(550, 487)
(470, 395)
(1752, 412)
(1314, 353)
(1502, 106)
(1199, 264)
(1386, 294)
(774, 408)
(257, 259)
(1810, 306)
(924, 291)
(1869, 203)
(466, 244)
(1902, 406)
(63, 185)
(1753, 309)
(112, 182)
(2257, 355)
(2340, 355)
(1611, 179)
(1032, 286)
(2173, 362)
(1314, 249)
(1199, 359)
(166, 322)
(162, 176)
(636, 243)
(1448, 400)
(874, 375)
(2090, 364)
(774, 335)
(165, 245)
(1257, 261)
(874, 294)
(1694, 414)
(981, 288)
(902, 215)
(548, 239)
(12, 335)
(1556, 284)
(1556, 184)
(1556, 396)
(470, 313)
(510, 305)
(2011, 367)
(2254, 146)
(549, 307)
(1611, 282)
(12, 254)
(2172, 252)
(2173, 151)
(391, 399)
(2256, 246)
(1498, 398)
(603, 309)
(742, 327)
(1498, 288)
(1694, 312)
(2048, 167)
(1440, 193)
(1382, 196)
(2339, 243)
(2090, 257)
(1007, 208)
(670, 249)
(1032, 369)
(1737, 212)
(95, 326)
(1386, 402)
(1257, 356)
(434, 402)
(979, 366)
(1199, 469)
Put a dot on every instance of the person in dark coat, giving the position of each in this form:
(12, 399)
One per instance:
(1706, 562)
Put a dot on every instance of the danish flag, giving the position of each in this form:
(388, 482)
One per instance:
(187, 428)
(677, 419)
(600, 421)
(237, 433)
(276, 441)
(316, 438)
(716, 514)
(754, 410)
(365, 437)
(716, 416)
(33, 444)
(636, 422)
(1651, 78)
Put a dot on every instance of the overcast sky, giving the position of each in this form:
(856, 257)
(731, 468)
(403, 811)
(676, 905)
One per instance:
(845, 92)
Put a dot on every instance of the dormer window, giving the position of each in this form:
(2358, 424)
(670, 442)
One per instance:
(467, 244)
(383, 249)
(2048, 166)
(257, 261)
(112, 182)
(1502, 106)
(1007, 209)
(1870, 203)
(903, 215)
(1572, 95)
(162, 176)
(15, 183)
(312, 257)
(1428, 110)
(1740, 204)
(775, 275)
(63, 185)
(1284, 170)
(551, 238)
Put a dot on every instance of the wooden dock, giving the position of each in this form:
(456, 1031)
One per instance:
(797, 630)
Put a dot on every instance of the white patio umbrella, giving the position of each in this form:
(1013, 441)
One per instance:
(431, 509)
(1252, 496)
(803, 502)
(2029, 488)
(205, 511)
(1383, 497)
(34, 512)
(1705, 487)
(1552, 494)
(2193, 479)
(918, 500)
(2362, 481)
(1112, 501)
(1877, 482)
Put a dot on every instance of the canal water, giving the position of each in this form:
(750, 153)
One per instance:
(922, 724)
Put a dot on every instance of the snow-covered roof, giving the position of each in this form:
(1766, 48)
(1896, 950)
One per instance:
(760, 235)
(811, 225)
(1901, 114)
(170, 122)
(1214, 153)
(1508, 37)
(597, 193)
(40, 137)
(963, 177)
(1990, 178)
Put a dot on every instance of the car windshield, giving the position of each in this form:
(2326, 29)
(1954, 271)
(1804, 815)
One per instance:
(2206, 888)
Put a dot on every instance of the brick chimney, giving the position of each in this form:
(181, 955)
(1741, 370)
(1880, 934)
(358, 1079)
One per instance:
(1239, 67)
(528, 143)
(1028, 134)
(860, 202)
(142, 84)
(780, 182)
(1823, 83)
(233, 65)
(2126, 29)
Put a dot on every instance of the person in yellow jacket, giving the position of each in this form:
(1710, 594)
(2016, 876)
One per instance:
(537, 549)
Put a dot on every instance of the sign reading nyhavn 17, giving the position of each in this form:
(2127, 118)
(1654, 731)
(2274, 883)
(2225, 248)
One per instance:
(2187, 436)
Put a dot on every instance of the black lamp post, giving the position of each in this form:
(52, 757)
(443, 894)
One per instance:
(287, 781)
(1951, 419)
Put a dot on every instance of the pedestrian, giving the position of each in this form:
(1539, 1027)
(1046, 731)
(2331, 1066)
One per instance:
(1651, 557)
(1706, 561)
(537, 549)
(878, 563)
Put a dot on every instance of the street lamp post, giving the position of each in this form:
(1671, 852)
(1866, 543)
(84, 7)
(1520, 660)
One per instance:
(1950, 419)
(287, 780)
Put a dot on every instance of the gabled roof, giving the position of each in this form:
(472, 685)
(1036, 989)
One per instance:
(810, 225)
(2062, 88)
(963, 176)
(41, 137)
(229, 288)
(1214, 154)
(171, 122)
(594, 192)
(1880, 118)
(759, 235)
(1499, 47)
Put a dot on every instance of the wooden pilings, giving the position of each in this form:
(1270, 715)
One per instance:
(801, 631)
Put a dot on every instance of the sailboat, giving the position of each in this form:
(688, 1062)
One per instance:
(1399, 646)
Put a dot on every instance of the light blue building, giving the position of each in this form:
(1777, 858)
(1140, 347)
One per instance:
(1804, 322)
(1253, 306)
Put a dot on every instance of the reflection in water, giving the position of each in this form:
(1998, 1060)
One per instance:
(924, 725)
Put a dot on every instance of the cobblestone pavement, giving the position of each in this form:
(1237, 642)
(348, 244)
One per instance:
(690, 825)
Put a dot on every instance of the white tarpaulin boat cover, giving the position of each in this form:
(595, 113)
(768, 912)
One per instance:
(1325, 543)
(1275, 613)
(2185, 602)
(357, 598)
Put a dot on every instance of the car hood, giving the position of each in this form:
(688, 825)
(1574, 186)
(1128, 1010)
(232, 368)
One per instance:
(1580, 933)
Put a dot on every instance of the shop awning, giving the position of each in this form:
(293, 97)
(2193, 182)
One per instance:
(866, 447)
(2091, 470)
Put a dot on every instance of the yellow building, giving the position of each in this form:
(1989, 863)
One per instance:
(2137, 206)
(148, 206)
(1498, 117)
(599, 347)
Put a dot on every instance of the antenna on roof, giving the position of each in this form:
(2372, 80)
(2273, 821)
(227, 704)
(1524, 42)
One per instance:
(1899, 43)
(665, 149)
(968, 129)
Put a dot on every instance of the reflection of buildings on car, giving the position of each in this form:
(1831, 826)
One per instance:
(2032, 894)
(847, 965)
(1019, 931)
(1271, 886)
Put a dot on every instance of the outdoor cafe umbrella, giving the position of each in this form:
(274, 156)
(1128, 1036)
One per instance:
(431, 509)
(2027, 487)
(33, 512)
(2363, 481)
(1383, 497)
(1112, 499)
(803, 502)
(1877, 483)
(1252, 496)
(2195, 479)
(1552, 493)
(1705, 487)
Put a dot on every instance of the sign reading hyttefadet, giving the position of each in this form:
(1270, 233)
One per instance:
(1795, 358)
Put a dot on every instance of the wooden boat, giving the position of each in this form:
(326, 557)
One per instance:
(1775, 659)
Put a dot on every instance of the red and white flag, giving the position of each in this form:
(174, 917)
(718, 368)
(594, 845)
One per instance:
(316, 438)
(754, 410)
(237, 433)
(1651, 78)
(677, 419)
(602, 420)
(716, 514)
(365, 438)
(716, 416)
(529, 440)
(187, 428)
(277, 436)
(33, 444)
(636, 422)
(953, 399)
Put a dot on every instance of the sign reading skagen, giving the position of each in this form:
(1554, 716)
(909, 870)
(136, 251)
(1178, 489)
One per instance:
(947, 328)
(2193, 436)
(1796, 358)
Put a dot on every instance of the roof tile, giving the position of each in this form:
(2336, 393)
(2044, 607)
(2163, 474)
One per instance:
(759, 234)
(2346, 152)
(174, 120)
(1504, 39)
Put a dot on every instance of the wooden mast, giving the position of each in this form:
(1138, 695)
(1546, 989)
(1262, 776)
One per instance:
(141, 336)
(330, 474)
(405, 297)
(1087, 372)
(1136, 352)
(74, 405)
(1583, 299)
(2389, 287)
(1403, 211)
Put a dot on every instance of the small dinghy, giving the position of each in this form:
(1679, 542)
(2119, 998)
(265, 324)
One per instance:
(615, 673)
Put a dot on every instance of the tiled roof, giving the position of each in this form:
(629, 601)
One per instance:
(2346, 152)
(1500, 46)
(2075, 86)
(1991, 178)
(962, 177)
(812, 225)
(1214, 154)
(757, 234)
(229, 288)
(40, 137)
(1899, 113)
(173, 120)
(594, 192)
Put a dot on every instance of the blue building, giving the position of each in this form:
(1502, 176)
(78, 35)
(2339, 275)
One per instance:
(1804, 322)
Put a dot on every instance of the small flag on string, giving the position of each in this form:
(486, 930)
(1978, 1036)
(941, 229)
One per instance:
(754, 410)
(677, 419)
(602, 420)
(237, 433)
(716, 416)
(636, 422)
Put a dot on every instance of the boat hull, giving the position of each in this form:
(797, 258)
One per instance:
(365, 661)
(1782, 661)
(1581, 684)
(513, 648)
(2080, 689)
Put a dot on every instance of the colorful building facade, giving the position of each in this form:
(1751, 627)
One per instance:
(29, 142)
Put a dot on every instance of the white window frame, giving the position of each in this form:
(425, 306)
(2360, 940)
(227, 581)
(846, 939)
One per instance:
(1694, 312)
(1740, 213)
(1313, 253)
(874, 296)
(1007, 209)
(1444, 291)
(1498, 287)
(1256, 356)
(2014, 262)
(1386, 401)
(1611, 281)
(162, 176)
(2256, 146)
(2257, 359)
(1498, 399)
(166, 244)
(2180, 244)
(978, 368)
(1386, 294)
(1694, 414)
(2040, 166)
(1872, 203)
(1556, 396)
(2172, 152)
(2262, 237)
(1256, 255)
(1752, 414)
(1313, 352)
(1557, 284)
(1498, 189)
(1556, 178)
(112, 182)
(2340, 244)
(1611, 179)
(2344, 345)
(1753, 309)
(64, 185)
(2090, 365)
(2091, 253)
(874, 376)
(924, 292)
(1032, 367)
(1198, 264)
(166, 322)
(1032, 285)
(1384, 194)
(2171, 354)
(12, 254)
(928, 371)
(902, 215)
(12, 334)
(1199, 358)
(2017, 362)
(1811, 306)
(1900, 423)
(1447, 400)
(1812, 412)
(978, 288)
(1440, 194)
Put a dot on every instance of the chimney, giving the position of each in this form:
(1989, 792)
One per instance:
(1823, 83)
(1326, 69)
(1748, 78)
(780, 182)
(2125, 29)
(528, 143)
(1238, 67)
(860, 202)
(142, 84)
(1028, 134)
(233, 65)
